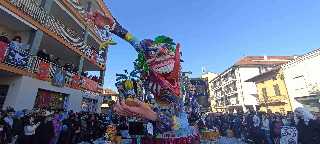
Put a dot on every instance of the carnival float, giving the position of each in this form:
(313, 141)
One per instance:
(152, 97)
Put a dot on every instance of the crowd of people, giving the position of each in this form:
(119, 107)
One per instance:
(263, 127)
(44, 126)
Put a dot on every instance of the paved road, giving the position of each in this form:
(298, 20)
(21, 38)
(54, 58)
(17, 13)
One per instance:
(223, 140)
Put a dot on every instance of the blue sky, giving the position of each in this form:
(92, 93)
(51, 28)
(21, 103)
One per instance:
(215, 33)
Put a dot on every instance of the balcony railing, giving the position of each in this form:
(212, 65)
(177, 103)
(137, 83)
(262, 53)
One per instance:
(271, 99)
(81, 11)
(18, 58)
(40, 15)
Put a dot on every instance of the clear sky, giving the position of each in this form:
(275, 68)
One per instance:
(215, 33)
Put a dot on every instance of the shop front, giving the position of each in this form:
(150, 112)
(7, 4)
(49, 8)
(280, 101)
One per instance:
(90, 101)
(51, 99)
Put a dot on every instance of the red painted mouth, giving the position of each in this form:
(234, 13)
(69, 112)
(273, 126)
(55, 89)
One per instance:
(169, 79)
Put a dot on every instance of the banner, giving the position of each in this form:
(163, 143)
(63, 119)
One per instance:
(289, 135)
(44, 99)
(59, 76)
(94, 57)
(75, 81)
(3, 48)
(17, 57)
(44, 69)
(54, 100)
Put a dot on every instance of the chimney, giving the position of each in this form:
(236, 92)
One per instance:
(242, 56)
(295, 56)
(108, 87)
(265, 57)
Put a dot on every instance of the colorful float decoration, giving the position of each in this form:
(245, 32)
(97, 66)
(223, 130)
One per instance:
(159, 66)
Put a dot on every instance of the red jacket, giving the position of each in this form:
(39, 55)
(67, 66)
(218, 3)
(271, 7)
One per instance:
(277, 128)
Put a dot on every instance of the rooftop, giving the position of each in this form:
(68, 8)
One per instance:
(264, 73)
(249, 60)
(109, 92)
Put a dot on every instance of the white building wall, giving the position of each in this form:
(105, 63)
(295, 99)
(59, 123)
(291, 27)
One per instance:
(301, 77)
(14, 83)
(23, 93)
(249, 89)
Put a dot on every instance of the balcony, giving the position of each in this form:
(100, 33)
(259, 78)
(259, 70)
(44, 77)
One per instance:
(223, 82)
(51, 24)
(18, 61)
(274, 99)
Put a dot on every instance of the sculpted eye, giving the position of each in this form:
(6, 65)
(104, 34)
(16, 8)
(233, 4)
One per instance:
(151, 53)
(167, 48)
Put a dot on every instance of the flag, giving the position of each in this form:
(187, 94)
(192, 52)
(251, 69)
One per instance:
(94, 57)
(17, 57)
(44, 69)
(3, 48)
(59, 76)
(75, 81)
(44, 98)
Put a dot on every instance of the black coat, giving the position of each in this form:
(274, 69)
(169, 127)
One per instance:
(41, 127)
(5, 131)
(4, 39)
(48, 132)
(17, 128)
(41, 54)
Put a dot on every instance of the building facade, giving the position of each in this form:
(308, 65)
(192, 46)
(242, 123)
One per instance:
(29, 78)
(210, 76)
(272, 91)
(232, 93)
(303, 80)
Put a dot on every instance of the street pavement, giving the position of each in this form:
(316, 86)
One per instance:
(223, 140)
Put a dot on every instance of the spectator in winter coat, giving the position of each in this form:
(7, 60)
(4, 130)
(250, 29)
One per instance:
(48, 132)
(277, 129)
(57, 62)
(42, 54)
(83, 128)
(76, 127)
(16, 42)
(4, 38)
(4, 129)
(39, 131)
(9, 118)
(17, 128)
(237, 126)
(30, 130)
(56, 124)
(266, 128)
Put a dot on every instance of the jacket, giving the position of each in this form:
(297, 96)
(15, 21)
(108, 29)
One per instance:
(56, 123)
(83, 124)
(17, 128)
(48, 132)
(30, 129)
(265, 124)
(277, 128)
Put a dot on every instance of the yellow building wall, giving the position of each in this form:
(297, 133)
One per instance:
(268, 82)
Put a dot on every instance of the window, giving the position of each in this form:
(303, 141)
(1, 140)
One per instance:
(88, 105)
(262, 69)
(264, 94)
(276, 89)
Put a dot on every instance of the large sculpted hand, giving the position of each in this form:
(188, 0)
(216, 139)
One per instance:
(141, 110)
(99, 18)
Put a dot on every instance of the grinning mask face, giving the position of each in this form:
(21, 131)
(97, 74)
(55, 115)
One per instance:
(164, 63)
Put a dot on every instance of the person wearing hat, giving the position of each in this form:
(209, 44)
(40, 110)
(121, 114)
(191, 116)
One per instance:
(17, 128)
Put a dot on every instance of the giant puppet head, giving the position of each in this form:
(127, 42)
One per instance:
(161, 61)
